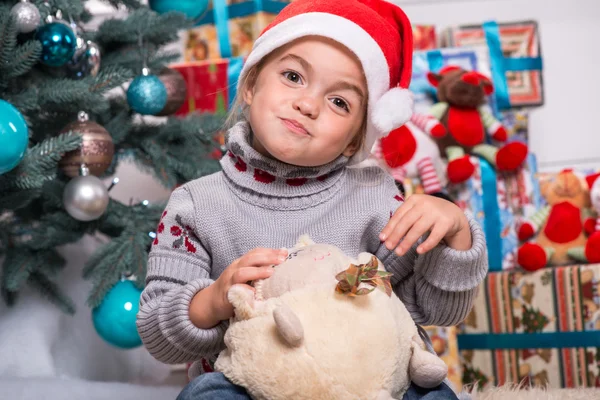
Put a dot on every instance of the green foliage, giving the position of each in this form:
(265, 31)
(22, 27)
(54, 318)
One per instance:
(33, 221)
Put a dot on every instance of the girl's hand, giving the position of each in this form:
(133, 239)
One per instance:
(254, 265)
(421, 214)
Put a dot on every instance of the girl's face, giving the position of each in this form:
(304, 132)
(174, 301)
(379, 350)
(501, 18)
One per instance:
(308, 103)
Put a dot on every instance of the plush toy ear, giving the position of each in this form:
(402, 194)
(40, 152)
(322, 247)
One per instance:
(434, 78)
(488, 87)
(304, 241)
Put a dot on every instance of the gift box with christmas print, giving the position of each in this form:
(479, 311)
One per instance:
(541, 327)
(475, 59)
(443, 340)
(424, 37)
(515, 58)
(229, 28)
(499, 201)
(211, 84)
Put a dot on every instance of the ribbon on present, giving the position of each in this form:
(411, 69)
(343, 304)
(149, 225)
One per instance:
(234, 68)
(540, 340)
(491, 210)
(500, 64)
(221, 13)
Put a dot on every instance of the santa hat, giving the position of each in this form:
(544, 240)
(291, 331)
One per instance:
(591, 179)
(377, 32)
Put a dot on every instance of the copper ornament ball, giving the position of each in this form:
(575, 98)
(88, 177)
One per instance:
(176, 91)
(96, 152)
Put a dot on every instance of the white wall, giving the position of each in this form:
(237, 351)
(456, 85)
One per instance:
(565, 128)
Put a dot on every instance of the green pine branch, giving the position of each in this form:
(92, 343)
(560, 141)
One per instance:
(52, 292)
(156, 30)
(23, 60)
(40, 163)
(8, 37)
(123, 256)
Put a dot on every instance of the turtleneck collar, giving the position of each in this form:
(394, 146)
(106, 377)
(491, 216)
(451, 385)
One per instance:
(273, 184)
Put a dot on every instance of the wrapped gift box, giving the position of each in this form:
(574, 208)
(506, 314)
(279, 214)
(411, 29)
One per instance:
(211, 84)
(499, 202)
(515, 55)
(424, 37)
(229, 28)
(541, 327)
(475, 59)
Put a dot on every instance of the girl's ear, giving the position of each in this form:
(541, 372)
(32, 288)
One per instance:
(248, 94)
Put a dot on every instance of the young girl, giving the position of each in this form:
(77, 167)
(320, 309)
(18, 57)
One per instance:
(323, 81)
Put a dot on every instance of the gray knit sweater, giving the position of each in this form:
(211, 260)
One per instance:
(258, 202)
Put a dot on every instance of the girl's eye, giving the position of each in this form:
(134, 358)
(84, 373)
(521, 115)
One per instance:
(340, 103)
(292, 76)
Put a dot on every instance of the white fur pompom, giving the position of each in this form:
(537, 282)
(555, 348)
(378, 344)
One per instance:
(392, 110)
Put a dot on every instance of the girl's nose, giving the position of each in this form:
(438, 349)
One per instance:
(308, 105)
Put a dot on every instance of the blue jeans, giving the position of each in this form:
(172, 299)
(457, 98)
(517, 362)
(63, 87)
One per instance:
(215, 386)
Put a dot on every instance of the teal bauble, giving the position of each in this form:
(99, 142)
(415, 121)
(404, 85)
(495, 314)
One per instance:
(191, 8)
(58, 43)
(14, 136)
(147, 95)
(114, 319)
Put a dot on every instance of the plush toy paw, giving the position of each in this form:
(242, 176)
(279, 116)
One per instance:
(592, 248)
(437, 130)
(426, 369)
(384, 395)
(242, 300)
(511, 156)
(460, 170)
(500, 134)
(526, 231)
(288, 325)
(532, 256)
(589, 226)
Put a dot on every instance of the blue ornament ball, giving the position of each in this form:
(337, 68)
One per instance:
(147, 95)
(58, 43)
(114, 318)
(191, 8)
(14, 136)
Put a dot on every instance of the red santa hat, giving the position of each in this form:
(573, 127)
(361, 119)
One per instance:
(591, 179)
(376, 31)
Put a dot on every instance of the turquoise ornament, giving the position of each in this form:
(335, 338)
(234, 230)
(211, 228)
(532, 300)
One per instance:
(58, 43)
(191, 8)
(14, 136)
(114, 319)
(147, 95)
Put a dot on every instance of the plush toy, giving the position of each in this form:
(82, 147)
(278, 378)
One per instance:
(560, 224)
(591, 252)
(325, 326)
(409, 152)
(462, 111)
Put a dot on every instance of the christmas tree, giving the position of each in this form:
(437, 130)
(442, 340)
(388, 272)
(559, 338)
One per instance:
(74, 103)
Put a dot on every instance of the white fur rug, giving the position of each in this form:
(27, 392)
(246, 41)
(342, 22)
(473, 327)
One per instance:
(514, 393)
(76, 389)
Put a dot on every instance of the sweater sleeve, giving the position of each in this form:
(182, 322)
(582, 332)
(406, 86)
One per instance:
(178, 268)
(438, 287)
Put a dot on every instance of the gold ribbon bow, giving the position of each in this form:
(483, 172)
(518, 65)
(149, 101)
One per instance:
(350, 280)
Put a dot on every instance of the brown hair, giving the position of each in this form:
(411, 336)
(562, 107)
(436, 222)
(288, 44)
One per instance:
(239, 108)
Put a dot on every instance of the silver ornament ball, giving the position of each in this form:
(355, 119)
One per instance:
(85, 198)
(27, 16)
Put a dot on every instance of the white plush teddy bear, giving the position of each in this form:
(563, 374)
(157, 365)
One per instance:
(325, 326)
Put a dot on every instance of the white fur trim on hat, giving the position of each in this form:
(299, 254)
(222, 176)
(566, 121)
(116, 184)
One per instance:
(332, 26)
(392, 110)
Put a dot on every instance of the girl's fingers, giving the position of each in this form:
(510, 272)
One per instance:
(390, 226)
(247, 274)
(437, 234)
(418, 229)
(402, 227)
(262, 257)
